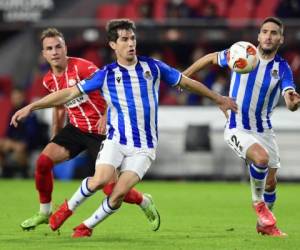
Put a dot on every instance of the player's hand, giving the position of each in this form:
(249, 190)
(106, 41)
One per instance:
(20, 115)
(225, 103)
(101, 124)
(292, 100)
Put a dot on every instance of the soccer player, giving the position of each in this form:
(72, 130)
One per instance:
(85, 131)
(130, 86)
(249, 131)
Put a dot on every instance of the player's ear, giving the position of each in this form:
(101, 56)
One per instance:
(112, 45)
(282, 40)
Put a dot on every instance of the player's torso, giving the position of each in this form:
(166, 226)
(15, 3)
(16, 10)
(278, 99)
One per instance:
(256, 94)
(84, 111)
(132, 95)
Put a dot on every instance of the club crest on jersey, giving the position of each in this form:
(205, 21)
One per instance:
(72, 82)
(275, 74)
(147, 75)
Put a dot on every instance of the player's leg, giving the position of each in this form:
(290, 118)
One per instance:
(109, 159)
(270, 188)
(109, 205)
(65, 145)
(51, 155)
(93, 143)
(246, 146)
(132, 170)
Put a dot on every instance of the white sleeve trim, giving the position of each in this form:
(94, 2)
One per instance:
(287, 88)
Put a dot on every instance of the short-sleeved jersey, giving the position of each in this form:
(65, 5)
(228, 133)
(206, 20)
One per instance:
(85, 111)
(258, 92)
(131, 93)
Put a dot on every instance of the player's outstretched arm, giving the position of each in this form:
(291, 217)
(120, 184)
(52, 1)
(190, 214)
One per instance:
(224, 103)
(54, 99)
(292, 99)
(201, 63)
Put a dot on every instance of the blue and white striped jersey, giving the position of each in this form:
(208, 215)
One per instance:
(131, 93)
(258, 92)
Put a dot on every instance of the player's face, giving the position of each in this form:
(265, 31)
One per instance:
(125, 47)
(55, 51)
(270, 37)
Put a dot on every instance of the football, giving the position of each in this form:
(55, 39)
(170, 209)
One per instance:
(242, 57)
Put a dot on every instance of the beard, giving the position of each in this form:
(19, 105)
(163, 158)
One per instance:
(268, 51)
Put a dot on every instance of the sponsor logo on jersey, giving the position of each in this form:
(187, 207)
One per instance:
(77, 101)
(274, 74)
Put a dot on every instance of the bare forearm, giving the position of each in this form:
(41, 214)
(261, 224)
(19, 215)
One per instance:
(55, 99)
(198, 88)
(201, 63)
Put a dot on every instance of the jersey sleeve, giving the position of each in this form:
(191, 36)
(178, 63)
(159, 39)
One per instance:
(222, 58)
(92, 83)
(169, 75)
(287, 81)
(86, 68)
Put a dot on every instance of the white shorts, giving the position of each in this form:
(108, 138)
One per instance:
(239, 140)
(125, 158)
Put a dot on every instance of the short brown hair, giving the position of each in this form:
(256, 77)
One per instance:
(276, 21)
(114, 25)
(51, 32)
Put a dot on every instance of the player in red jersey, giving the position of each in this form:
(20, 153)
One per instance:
(85, 131)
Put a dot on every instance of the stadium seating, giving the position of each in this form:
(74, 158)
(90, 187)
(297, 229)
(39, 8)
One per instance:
(5, 85)
(266, 8)
(5, 105)
(108, 11)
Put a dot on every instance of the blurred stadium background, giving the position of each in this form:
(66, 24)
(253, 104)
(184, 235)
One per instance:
(176, 31)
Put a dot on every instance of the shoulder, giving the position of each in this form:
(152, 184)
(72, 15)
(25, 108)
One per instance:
(48, 79)
(78, 60)
(148, 60)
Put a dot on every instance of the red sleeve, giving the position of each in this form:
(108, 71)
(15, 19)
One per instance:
(85, 68)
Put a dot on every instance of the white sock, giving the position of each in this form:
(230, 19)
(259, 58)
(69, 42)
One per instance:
(145, 202)
(45, 208)
(100, 214)
(80, 195)
(258, 181)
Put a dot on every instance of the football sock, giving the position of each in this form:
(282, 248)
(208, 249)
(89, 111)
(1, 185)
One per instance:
(45, 208)
(80, 195)
(270, 198)
(44, 178)
(133, 196)
(257, 180)
(145, 202)
(100, 214)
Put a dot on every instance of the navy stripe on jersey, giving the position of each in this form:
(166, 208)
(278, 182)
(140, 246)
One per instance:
(271, 104)
(111, 129)
(262, 94)
(115, 102)
(247, 98)
(154, 72)
(146, 104)
(131, 107)
(235, 89)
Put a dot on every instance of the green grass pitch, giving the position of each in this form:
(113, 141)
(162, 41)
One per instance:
(194, 215)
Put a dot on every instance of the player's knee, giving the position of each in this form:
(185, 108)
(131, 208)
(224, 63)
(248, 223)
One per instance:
(96, 183)
(262, 159)
(44, 164)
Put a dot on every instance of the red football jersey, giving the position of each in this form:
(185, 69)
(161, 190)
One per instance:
(85, 111)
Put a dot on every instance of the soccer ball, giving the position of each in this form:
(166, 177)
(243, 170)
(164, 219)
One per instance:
(242, 57)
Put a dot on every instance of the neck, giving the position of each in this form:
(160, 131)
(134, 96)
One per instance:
(267, 55)
(59, 69)
(127, 62)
